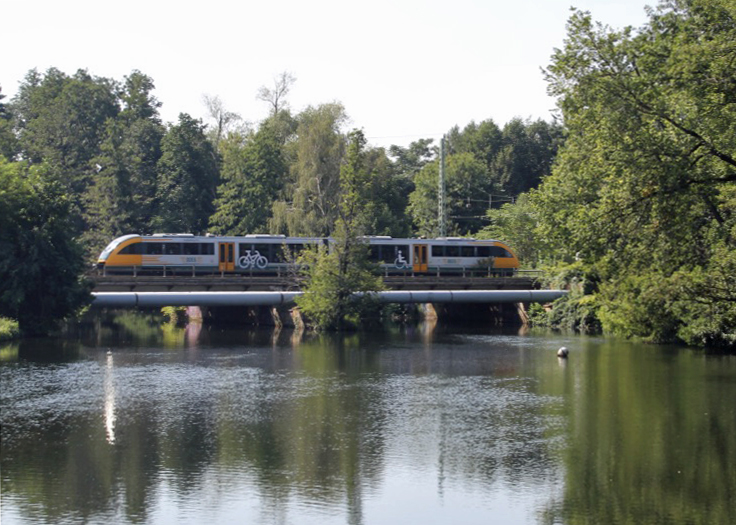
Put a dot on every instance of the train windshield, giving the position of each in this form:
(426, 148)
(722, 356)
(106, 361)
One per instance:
(114, 244)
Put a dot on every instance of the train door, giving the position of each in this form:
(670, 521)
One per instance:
(420, 263)
(227, 256)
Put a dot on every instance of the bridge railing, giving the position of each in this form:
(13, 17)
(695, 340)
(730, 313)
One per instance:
(194, 271)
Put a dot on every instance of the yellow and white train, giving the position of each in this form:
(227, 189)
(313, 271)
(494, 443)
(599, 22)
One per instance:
(270, 254)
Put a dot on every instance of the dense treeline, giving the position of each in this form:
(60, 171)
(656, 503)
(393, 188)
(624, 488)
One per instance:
(631, 197)
(641, 206)
(101, 144)
(126, 171)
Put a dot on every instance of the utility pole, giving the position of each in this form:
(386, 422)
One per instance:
(442, 212)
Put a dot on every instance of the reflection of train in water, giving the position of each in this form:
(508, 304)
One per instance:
(270, 254)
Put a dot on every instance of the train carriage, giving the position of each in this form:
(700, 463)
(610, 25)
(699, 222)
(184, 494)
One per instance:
(272, 254)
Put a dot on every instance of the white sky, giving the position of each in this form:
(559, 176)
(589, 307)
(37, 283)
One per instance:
(403, 69)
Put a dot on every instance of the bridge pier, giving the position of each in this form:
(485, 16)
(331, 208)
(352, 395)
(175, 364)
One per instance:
(495, 314)
(281, 316)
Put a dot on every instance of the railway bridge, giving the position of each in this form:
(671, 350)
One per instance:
(260, 298)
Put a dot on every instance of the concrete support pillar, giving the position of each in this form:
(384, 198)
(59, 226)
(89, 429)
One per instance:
(523, 315)
(429, 311)
(498, 314)
(196, 314)
(276, 317)
(297, 319)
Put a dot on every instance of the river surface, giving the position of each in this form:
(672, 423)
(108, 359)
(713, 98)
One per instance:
(129, 422)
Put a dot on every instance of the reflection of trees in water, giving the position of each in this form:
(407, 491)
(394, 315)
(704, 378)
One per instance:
(474, 431)
(650, 440)
(641, 433)
(292, 419)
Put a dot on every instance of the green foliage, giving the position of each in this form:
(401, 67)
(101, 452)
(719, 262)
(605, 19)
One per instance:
(412, 159)
(8, 329)
(516, 224)
(525, 156)
(465, 179)
(641, 189)
(40, 263)
(61, 121)
(516, 157)
(101, 139)
(253, 170)
(485, 166)
(333, 276)
(187, 178)
(331, 279)
(121, 199)
(385, 197)
(578, 310)
(310, 202)
(8, 141)
(175, 315)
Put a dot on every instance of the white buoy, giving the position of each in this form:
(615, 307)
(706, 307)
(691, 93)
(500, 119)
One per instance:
(562, 352)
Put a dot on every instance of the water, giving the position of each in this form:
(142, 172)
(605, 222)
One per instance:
(132, 423)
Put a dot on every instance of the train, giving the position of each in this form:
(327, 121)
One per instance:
(185, 253)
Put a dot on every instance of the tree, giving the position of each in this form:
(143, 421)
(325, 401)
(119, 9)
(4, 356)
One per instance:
(310, 201)
(276, 96)
(642, 189)
(253, 171)
(61, 121)
(516, 157)
(410, 160)
(41, 265)
(121, 198)
(223, 119)
(334, 276)
(467, 189)
(386, 196)
(525, 156)
(516, 224)
(187, 180)
(8, 142)
(137, 99)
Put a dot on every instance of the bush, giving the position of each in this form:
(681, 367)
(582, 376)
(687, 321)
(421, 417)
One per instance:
(8, 329)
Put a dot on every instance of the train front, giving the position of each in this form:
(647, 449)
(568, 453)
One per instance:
(111, 255)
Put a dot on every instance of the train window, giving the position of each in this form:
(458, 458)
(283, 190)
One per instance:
(278, 253)
(484, 251)
(173, 248)
(404, 249)
(467, 251)
(207, 248)
(296, 249)
(243, 248)
(190, 248)
(452, 251)
(497, 251)
(132, 249)
(154, 248)
(438, 251)
(376, 252)
(264, 250)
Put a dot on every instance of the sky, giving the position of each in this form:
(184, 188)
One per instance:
(403, 69)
